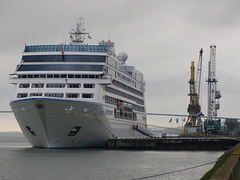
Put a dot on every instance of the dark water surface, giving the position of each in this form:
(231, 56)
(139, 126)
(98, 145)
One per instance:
(18, 161)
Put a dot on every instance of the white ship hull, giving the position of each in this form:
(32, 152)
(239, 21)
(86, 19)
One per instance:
(47, 123)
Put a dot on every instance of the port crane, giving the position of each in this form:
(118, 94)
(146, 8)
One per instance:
(194, 121)
(212, 124)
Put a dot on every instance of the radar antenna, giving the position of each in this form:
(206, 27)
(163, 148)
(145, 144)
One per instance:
(77, 36)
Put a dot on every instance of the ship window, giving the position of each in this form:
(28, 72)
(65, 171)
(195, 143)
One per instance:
(67, 58)
(120, 93)
(74, 85)
(60, 67)
(59, 95)
(53, 85)
(36, 94)
(89, 85)
(42, 76)
(56, 76)
(74, 131)
(78, 76)
(22, 95)
(128, 88)
(37, 85)
(46, 48)
(110, 100)
(87, 95)
(91, 76)
(49, 76)
(63, 76)
(31, 131)
(72, 95)
(24, 85)
(97, 76)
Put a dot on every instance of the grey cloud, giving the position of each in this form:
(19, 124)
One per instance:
(212, 14)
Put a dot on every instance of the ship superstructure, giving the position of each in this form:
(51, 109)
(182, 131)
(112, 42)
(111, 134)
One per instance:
(77, 95)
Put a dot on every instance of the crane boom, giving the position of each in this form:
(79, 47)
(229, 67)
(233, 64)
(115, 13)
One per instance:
(199, 73)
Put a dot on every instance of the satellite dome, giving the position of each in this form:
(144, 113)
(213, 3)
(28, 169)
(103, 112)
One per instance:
(122, 56)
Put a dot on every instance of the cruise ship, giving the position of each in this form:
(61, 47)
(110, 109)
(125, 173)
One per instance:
(77, 95)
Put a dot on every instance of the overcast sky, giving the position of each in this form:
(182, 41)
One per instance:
(161, 37)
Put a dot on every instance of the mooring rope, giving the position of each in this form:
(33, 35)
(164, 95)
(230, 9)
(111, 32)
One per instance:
(171, 172)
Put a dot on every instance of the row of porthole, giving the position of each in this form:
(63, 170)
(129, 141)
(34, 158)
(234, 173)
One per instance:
(84, 76)
(57, 95)
(56, 85)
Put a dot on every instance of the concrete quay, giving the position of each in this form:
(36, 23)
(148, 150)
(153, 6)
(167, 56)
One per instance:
(177, 143)
(227, 167)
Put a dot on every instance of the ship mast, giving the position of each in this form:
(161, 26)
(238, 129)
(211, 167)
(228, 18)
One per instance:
(77, 36)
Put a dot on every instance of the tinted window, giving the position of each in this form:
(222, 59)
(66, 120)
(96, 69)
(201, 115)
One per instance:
(72, 95)
(50, 76)
(73, 85)
(89, 85)
(59, 95)
(60, 67)
(22, 95)
(63, 76)
(65, 58)
(85, 95)
(37, 85)
(47, 48)
(53, 85)
(24, 85)
(35, 94)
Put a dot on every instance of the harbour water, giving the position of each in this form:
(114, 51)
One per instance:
(19, 161)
